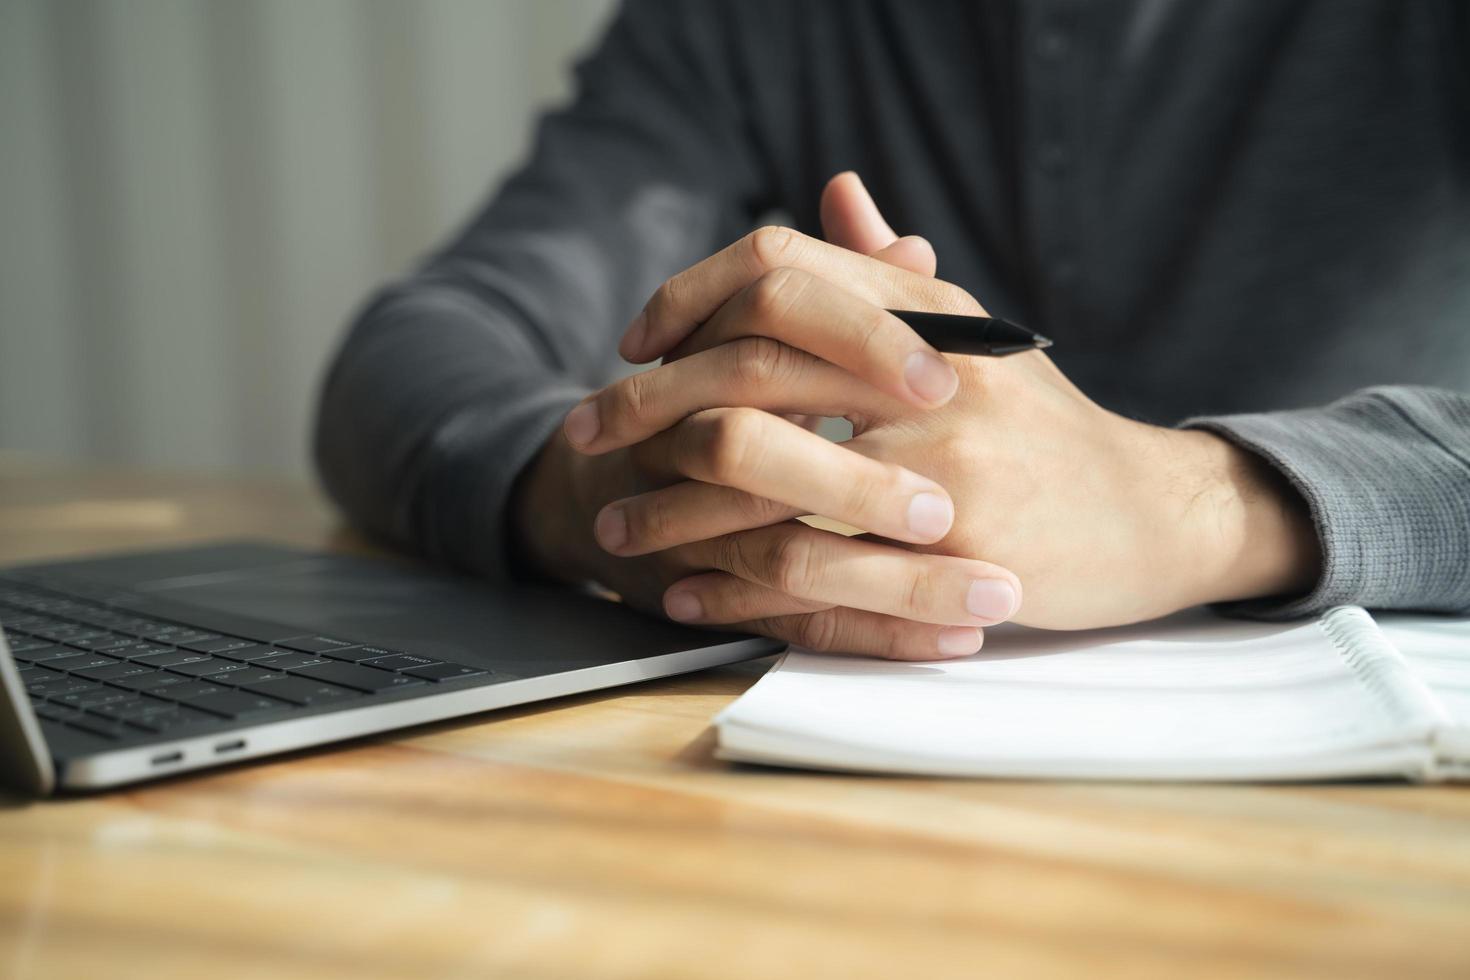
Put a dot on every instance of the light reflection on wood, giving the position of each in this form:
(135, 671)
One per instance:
(98, 515)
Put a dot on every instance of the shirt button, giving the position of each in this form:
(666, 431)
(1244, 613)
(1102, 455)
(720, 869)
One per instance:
(1051, 158)
(1052, 45)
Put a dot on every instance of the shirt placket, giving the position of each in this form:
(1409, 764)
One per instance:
(1051, 37)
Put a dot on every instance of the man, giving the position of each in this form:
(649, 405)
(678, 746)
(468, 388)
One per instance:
(1233, 220)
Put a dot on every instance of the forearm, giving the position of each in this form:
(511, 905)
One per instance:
(428, 415)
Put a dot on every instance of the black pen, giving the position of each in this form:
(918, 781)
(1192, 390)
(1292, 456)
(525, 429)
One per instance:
(987, 336)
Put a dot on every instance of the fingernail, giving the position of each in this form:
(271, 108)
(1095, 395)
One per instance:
(582, 425)
(683, 606)
(611, 528)
(990, 598)
(632, 344)
(960, 641)
(930, 516)
(930, 377)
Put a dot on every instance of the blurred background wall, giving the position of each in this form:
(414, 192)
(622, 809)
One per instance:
(195, 194)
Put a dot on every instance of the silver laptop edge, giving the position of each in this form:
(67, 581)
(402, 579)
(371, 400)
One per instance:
(27, 762)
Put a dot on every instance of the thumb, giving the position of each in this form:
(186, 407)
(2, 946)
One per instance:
(851, 219)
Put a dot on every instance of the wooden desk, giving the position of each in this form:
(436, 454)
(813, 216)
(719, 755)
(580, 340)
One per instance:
(595, 837)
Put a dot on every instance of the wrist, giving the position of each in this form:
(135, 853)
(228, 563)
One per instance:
(1248, 532)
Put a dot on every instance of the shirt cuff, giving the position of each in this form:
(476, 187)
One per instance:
(1389, 503)
(479, 453)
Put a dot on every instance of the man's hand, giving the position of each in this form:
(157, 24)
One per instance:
(1106, 520)
(702, 440)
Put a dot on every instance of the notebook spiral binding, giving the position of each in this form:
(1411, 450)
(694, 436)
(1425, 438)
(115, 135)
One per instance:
(1382, 669)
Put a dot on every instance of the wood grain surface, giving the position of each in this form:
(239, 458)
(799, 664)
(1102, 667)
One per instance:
(596, 837)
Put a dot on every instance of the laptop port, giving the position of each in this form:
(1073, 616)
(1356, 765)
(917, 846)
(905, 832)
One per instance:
(235, 745)
(167, 758)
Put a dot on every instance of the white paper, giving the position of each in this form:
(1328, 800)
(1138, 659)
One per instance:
(1193, 696)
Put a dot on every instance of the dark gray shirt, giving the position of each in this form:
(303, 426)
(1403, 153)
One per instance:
(1254, 216)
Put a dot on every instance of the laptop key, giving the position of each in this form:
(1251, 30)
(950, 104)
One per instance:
(299, 690)
(187, 635)
(358, 654)
(401, 661)
(152, 680)
(367, 679)
(52, 682)
(101, 642)
(80, 661)
(41, 654)
(64, 632)
(130, 710)
(139, 648)
(38, 674)
(186, 691)
(242, 676)
(92, 699)
(21, 644)
(104, 620)
(247, 654)
(217, 644)
(38, 655)
(70, 686)
(172, 658)
(113, 672)
(209, 665)
(128, 624)
(26, 624)
(287, 661)
(235, 704)
(61, 688)
(154, 631)
(312, 644)
(444, 672)
(163, 632)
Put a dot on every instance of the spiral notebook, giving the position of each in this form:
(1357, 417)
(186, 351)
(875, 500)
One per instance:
(1192, 697)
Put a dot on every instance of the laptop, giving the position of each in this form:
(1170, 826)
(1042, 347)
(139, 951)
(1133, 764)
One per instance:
(130, 667)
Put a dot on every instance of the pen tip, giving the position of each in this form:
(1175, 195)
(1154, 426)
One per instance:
(1042, 343)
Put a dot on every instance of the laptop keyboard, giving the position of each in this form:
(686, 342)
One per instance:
(118, 676)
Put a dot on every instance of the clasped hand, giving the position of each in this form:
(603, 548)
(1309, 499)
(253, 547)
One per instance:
(988, 489)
